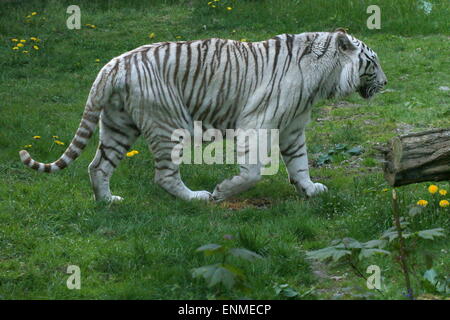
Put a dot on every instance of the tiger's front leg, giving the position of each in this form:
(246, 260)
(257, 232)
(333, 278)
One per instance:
(295, 157)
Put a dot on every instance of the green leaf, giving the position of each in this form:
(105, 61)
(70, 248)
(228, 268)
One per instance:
(205, 271)
(392, 234)
(355, 151)
(328, 253)
(431, 276)
(434, 283)
(285, 290)
(349, 246)
(279, 287)
(324, 158)
(431, 233)
(290, 293)
(245, 254)
(211, 248)
(215, 274)
(336, 242)
(223, 276)
(365, 253)
(340, 146)
(351, 243)
(236, 271)
(375, 244)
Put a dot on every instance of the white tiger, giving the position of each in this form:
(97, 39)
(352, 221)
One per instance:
(225, 84)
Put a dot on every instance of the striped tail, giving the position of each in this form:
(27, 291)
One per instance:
(87, 127)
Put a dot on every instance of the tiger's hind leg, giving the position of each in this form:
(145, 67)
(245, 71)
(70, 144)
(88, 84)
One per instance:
(249, 175)
(250, 169)
(167, 172)
(117, 135)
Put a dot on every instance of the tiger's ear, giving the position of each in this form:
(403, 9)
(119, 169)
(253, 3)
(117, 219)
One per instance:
(343, 30)
(343, 42)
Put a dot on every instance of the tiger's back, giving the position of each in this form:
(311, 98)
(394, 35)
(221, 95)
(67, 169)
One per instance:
(216, 80)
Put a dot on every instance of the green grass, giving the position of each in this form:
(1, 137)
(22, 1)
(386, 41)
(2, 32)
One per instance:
(144, 248)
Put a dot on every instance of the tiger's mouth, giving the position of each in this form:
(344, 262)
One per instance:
(368, 92)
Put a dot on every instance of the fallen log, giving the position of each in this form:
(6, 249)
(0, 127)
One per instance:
(418, 157)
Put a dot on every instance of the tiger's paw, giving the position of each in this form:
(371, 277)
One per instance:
(115, 199)
(108, 199)
(315, 188)
(219, 196)
(201, 195)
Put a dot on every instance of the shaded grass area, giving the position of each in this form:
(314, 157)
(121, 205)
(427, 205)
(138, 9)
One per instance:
(144, 248)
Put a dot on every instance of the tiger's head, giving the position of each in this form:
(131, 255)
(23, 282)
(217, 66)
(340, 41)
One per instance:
(361, 67)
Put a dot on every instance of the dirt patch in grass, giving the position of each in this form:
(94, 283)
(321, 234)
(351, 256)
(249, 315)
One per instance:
(346, 104)
(239, 204)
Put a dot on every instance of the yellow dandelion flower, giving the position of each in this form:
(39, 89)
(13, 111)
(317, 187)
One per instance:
(28, 17)
(444, 203)
(20, 45)
(25, 51)
(97, 60)
(152, 35)
(34, 13)
(422, 203)
(36, 137)
(243, 40)
(35, 47)
(229, 8)
(433, 189)
(178, 37)
(442, 192)
(23, 40)
(385, 190)
(33, 38)
(15, 48)
(213, 6)
(59, 142)
(93, 26)
(27, 146)
(14, 40)
(132, 153)
(55, 137)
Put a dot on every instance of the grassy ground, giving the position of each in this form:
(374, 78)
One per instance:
(144, 248)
